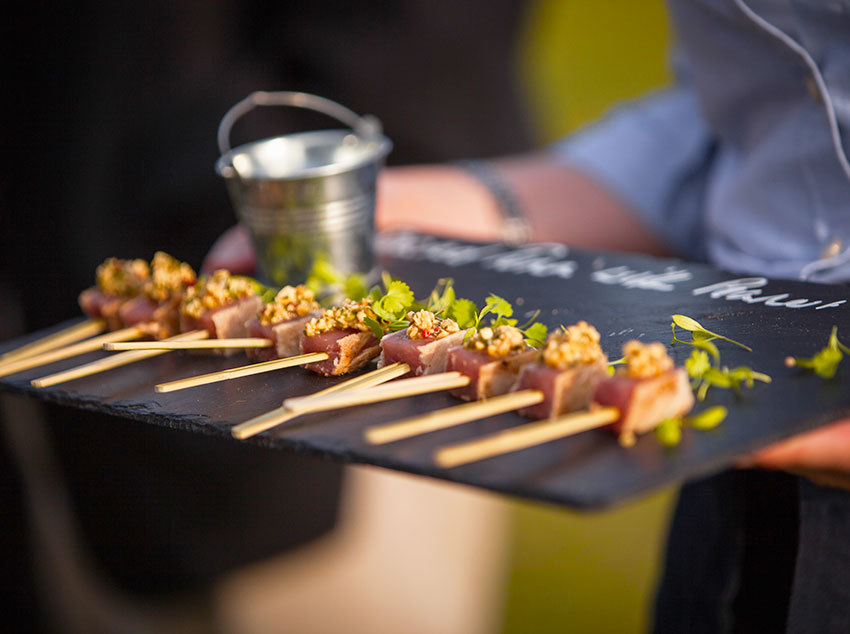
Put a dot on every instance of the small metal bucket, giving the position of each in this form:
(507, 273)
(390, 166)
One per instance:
(305, 196)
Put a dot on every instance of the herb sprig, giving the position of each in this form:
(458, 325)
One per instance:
(825, 362)
(329, 284)
(390, 306)
(669, 432)
(501, 312)
(700, 333)
(703, 366)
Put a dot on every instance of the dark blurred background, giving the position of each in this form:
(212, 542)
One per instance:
(110, 140)
(109, 146)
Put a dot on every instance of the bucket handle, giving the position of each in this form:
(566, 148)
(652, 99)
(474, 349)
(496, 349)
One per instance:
(367, 126)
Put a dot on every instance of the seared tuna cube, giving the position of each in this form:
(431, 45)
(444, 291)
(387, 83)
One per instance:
(348, 350)
(645, 403)
(424, 356)
(225, 322)
(564, 391)
(98, 305)
(286, 336)
(488, 376)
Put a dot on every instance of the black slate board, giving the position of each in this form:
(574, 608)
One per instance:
(624, 296)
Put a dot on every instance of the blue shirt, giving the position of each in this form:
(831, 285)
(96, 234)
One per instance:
(744, 162)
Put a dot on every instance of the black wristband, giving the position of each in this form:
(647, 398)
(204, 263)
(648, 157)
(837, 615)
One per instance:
(515, 228)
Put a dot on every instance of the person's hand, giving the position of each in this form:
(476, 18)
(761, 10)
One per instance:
(232, 251)
(436, 199)
(822, 455)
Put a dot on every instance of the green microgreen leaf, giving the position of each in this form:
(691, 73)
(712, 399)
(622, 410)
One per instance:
(687, 323)
(697, 364)
(699, 332)
(707, 419)
(826, 361)
(669, 432)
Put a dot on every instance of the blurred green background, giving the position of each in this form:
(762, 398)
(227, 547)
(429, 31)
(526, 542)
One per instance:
(573, 572)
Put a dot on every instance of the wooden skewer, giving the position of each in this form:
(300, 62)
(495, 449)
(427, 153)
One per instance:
(89, 345)
(281, 414)
(113, 361)
(245, 370)
(64, 337)
(451, 416)
(396, 389)
(524, 436)
(243, 342)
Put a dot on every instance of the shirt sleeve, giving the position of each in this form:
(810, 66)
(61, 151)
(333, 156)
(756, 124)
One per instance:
(656, 154)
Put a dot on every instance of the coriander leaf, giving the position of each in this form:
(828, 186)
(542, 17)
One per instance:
(374, 326)
(395, 302)
(375, 293)
(464, 312)
(499, 306)
(536, 334)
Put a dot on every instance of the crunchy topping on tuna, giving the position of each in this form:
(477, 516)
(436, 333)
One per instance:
(215, 291)
(122, 277)
(578, 344)
(169, 276)
(426, 325)
(289, 303)
(350, 315)
(497, 342)
(645, 361)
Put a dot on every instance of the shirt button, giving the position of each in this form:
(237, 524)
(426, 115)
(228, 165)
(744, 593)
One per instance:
(814, 91)
(832, 248)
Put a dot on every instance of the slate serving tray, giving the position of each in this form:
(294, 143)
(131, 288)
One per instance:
(624, 296)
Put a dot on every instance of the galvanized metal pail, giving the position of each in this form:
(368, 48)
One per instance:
(305, 196)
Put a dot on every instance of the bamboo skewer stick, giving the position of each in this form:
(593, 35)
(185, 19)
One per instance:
(451, 416)
(245, 370)
(113, 361)
(281, 414)
(64, 337)
(364, 396)
(89, 345)
(524, 436)
(206, 344)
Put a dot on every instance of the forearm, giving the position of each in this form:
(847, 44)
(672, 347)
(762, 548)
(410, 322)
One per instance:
(560, 204)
